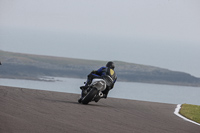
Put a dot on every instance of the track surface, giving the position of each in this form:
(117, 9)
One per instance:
(36, 111)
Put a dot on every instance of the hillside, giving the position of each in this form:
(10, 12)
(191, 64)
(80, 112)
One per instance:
(27, 66)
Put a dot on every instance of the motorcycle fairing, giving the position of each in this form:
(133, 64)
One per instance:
(100, 84)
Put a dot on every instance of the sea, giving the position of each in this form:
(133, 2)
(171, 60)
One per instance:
(170, 94)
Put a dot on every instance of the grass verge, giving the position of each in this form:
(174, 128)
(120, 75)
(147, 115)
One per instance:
(191, 112)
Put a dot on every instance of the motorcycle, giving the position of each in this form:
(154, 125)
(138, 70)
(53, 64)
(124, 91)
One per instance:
(94, 92)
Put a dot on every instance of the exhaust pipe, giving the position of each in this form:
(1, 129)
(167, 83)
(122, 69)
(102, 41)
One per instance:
(100, 94)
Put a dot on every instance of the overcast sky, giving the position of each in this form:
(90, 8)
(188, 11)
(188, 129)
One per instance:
(163, 33)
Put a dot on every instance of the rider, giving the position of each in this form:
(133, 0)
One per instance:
(103, 71)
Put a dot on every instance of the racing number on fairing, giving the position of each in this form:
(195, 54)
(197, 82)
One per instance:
(111, 72)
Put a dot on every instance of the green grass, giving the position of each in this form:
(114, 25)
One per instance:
(191, 112)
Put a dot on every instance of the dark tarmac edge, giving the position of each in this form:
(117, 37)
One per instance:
(36, 111)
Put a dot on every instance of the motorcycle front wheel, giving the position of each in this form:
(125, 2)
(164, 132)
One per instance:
(89, 96)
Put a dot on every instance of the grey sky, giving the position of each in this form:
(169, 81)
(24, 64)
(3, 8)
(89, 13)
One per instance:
(163, 33)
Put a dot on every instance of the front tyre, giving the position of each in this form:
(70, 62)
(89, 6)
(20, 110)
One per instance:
(90, 95)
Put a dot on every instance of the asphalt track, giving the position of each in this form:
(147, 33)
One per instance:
(36, 111)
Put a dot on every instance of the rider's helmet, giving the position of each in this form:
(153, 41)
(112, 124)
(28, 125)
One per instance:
(110, 64)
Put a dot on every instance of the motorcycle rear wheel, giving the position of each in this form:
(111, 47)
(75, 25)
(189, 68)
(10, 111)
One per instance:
(90, 95)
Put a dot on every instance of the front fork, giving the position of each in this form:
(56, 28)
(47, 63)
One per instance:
(84, 92)
(98, 96)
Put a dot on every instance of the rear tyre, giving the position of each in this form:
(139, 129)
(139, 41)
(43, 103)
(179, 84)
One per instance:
(90, 95)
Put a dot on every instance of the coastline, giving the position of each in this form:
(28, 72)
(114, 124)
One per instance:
(28, 110)
(52, 79)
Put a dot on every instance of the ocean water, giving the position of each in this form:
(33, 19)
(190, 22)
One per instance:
(125, 90)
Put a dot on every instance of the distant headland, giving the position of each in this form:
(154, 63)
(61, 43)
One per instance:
(28, 66)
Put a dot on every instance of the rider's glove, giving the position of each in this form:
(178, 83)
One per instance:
(94, 72)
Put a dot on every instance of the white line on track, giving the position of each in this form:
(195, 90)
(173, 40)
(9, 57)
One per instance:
(176, 112)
